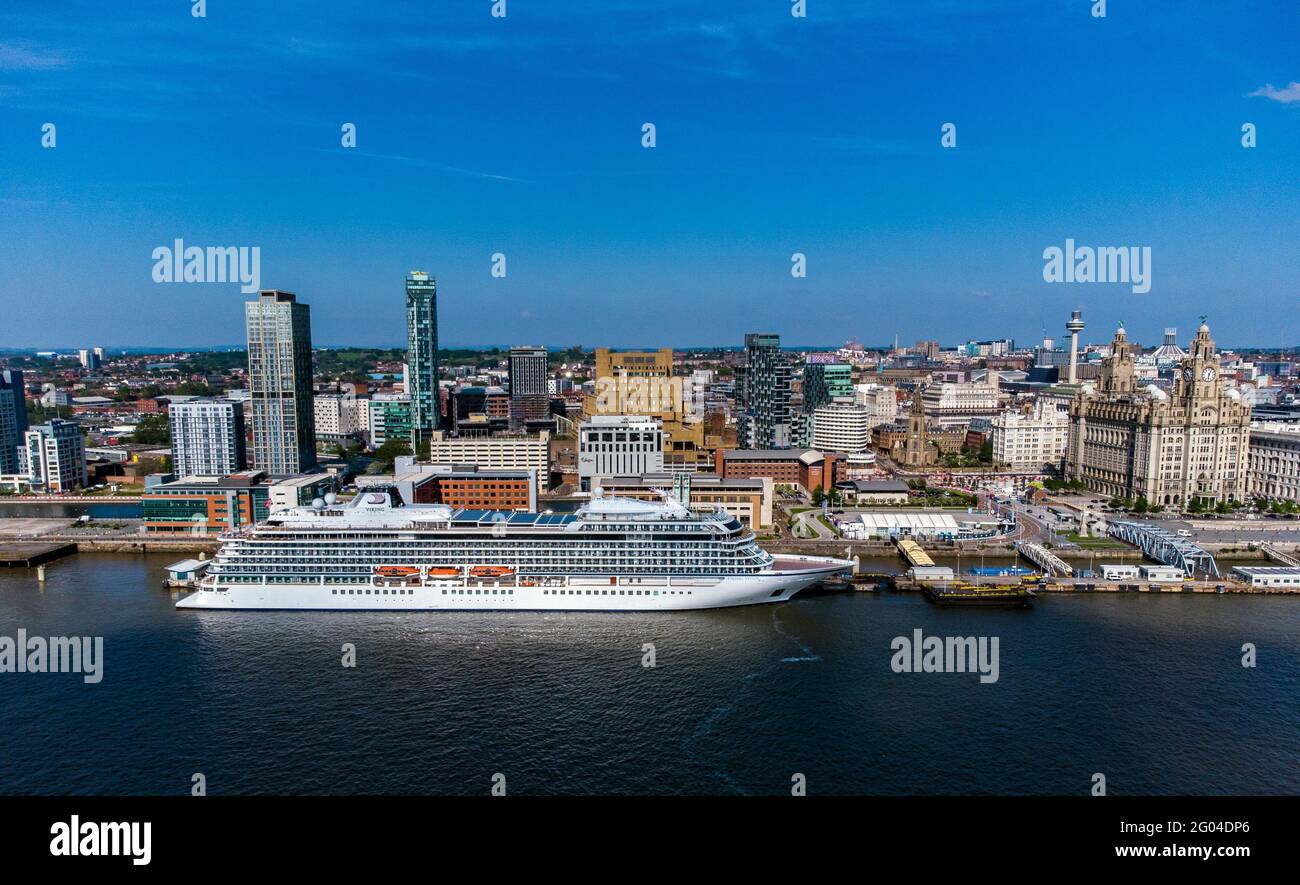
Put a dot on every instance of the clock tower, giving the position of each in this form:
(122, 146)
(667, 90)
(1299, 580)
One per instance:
(1199, 376)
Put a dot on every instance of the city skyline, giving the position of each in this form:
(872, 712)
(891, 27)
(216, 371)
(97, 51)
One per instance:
(775, 136)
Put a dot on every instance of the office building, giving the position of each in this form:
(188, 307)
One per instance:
(1179, 449)
(280, 383)
(951, 403)
(530, 398)
(807, 468)
(881, 401)
(210, 505)
(825, 379)
(465, 486)
(501, 452)
(207, 437)
(422, 355)
(13, 419)
(842, 426)
(1031, 441)
(643, 383)
(1274, 465)
(391, 416)
(619, 445)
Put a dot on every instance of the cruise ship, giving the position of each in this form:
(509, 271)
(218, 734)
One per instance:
(614, 554)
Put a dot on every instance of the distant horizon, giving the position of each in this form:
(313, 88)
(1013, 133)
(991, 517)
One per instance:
(114, 350)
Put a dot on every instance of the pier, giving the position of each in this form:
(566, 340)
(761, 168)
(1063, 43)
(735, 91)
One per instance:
(29, 555)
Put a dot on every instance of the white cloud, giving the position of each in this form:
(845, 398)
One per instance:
(19, 58)
(1286, 95)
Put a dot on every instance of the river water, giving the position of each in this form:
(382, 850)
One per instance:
(1147, 689)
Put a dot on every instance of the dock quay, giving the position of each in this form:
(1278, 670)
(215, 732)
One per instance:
(15, 555)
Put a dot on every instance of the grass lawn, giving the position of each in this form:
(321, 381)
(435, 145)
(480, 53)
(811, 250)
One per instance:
(1096, 543)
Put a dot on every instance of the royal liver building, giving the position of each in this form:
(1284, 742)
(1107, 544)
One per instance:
(1132, 442)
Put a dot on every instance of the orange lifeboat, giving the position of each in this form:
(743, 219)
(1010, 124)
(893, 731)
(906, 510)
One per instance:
(397, 571)
(443, 572)
(491, 571)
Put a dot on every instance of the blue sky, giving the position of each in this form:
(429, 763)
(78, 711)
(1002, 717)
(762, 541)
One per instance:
(522, 135)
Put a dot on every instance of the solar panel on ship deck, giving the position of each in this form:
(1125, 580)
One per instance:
(471, 515)
(525, 518)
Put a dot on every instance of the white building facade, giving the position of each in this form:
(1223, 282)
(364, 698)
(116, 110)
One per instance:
(619, 445)
(1031, 441)
(1273, 469)
(842, 426)
(56, 456)
(207, 437)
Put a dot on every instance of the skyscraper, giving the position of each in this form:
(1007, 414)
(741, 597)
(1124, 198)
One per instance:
(422, 355)
(13, 418)
(280, 382)
(766, 418)
(530, 398)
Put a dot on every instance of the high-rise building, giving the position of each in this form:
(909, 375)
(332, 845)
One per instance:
(824, 379)
(1173, 449)
(530, 398)
(90, 358)
(422, 355)
(765, 417)
(280, 383)
(13, 419)
(56, 456)
(207, 437)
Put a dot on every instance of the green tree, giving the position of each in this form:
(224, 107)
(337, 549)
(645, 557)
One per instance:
(392, 448)
(153, 430)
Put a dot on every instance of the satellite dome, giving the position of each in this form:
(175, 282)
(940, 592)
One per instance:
(331, 498)
(318, 503)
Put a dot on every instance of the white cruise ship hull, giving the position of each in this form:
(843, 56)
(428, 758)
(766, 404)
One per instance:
(788, 576)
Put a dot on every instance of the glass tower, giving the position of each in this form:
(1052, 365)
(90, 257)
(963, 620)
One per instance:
(422, 355)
